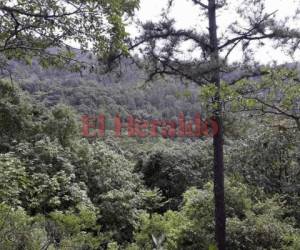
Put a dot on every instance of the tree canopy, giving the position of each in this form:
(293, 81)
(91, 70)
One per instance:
(30, 28)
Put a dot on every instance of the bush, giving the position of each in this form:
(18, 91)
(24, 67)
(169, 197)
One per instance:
(176, 168)
(251, 223)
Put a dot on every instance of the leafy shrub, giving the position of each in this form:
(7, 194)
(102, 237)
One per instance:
(251, 223)
(176, 168)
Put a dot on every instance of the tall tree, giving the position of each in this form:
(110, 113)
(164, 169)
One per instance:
(163, 44)
(220, 218)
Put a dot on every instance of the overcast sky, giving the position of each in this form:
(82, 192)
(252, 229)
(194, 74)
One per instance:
(186, 15)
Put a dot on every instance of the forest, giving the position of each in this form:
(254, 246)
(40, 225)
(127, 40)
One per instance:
(237, 188)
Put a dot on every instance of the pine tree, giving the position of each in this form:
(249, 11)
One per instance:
(162, 43)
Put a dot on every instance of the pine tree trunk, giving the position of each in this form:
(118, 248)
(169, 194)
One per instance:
(220, 217)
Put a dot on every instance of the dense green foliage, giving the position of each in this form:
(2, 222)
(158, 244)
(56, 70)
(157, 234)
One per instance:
(60, 191)
(31, 28)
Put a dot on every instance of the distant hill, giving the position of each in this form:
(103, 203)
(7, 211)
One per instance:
(121, 91)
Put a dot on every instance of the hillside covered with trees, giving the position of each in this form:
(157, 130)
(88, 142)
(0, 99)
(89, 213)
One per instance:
(61, 190)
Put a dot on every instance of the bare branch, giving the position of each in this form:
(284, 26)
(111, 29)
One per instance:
(273, 106)
(258, 73)
(254, 33)
(198, 2)
(38, 15)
